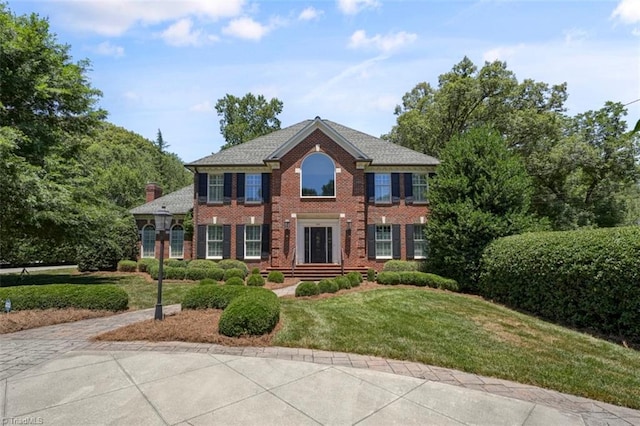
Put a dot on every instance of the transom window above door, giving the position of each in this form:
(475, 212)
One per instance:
(318, 176)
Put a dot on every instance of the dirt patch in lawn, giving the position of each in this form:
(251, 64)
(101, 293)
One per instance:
(24, 320)
(197, 326)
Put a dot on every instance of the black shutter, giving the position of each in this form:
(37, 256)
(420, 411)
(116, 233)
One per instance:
(266, 187)
(203, 183)
(266, 241)
(408, 230)
(371, 241)
(227, 188)
(408, 188)
(371, 188)
(201, 250)
(240, 187)
(395, 188)
(240, 242)
(226, 241)
(395, 235)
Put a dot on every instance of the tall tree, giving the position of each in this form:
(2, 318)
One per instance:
(247, 118)
(481, 192)
(160, 143)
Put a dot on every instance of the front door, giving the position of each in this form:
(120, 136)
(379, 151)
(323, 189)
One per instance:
(318, 243)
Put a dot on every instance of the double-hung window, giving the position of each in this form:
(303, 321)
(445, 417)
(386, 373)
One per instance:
(252, 241)
(176, 246)
(420, 185)
(253, 188)
(216, 189)
(214, 242)
(383, 188)
(419, 242)
(149, 241)
(383, 242)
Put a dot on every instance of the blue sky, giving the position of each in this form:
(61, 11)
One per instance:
(163, 64)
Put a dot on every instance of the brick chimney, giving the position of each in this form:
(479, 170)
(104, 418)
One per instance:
(153, 191)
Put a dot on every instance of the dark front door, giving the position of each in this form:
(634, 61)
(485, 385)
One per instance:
(317, 244)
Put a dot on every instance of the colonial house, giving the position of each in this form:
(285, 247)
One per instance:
(315, 196)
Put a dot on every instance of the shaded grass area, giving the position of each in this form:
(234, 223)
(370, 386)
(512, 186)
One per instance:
(464, 333)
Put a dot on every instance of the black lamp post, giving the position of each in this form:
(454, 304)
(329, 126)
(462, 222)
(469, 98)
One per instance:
(163, 223)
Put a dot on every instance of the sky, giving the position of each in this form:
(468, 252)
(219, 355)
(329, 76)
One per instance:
(163, 64)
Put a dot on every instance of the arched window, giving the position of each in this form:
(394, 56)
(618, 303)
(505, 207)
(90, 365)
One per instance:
(148, 241)
(318, 176)
(176, 238)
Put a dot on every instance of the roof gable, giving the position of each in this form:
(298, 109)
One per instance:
(177, 202)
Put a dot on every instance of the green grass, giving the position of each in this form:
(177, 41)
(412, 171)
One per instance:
(142, 294)
(464, 333)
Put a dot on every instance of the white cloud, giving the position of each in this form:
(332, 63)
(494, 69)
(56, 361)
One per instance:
(310, 14)
(202, 107)
(107, 49)
(115, 17)
(248, 29)
(627, 11)
(182, 33)
(353, 7)
(385, 43)
(502, 53)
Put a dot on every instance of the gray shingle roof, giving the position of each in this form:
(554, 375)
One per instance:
(254, 152)
(177, 202)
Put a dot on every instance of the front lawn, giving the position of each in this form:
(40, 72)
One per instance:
(465, 333)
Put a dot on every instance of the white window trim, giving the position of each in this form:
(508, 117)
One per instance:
(209, 200)
(335, 186)
(171, 255)
(375, 187)
(259, 256)
(221, 241)
(246, 187)
(424, 195)
(390, 240)
(142, 254)
(424, 241)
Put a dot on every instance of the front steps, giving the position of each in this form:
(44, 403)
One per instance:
(317, 271)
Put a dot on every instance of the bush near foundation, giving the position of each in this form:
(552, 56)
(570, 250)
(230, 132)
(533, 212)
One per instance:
(234, 264)
(211, 296)
(175, 263)
(307, 288)
(399, 265)
(420, 279)
(234, 281)
(587, 278)
(255, 280)
(202, 263)
(127, 266)
(234, 272)
(328, 286)
(61, 296)
(253, 313)
(355, 278)
(343, 282)
(388, 278)
(275, 277)
(145, 264)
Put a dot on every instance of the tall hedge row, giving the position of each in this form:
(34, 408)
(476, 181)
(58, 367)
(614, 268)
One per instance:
(61, 296)
(586, 278)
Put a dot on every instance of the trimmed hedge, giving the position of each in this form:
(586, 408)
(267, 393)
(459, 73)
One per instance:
(175, 263)
(234, 281)
(173, 273)
(207, 281)
(127, 266)
(211, 296)
(355, 278)
(145, 264)
(328, 286)
(275, 277)
(343, 283)
(420, 279)
(196, 274)
(234, 264)
(585, 278)
(252, 313)
(234, 272)
(307, 288)
(388, 278)
(60, 296)
(399, 265)
(202, 263)
(255, 280)
(371, 275)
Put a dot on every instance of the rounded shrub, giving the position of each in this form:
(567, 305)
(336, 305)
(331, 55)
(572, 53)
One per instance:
(343, 283)
(154, 271)
(307, 288)
(327, 286)
(275, 277)
(60, 296)
(172, 273)
(399, 265)
(211, 296)
(234, 264)
(207, 281)
(127, 266)
(195, 274)
(252, 313)
(585, 278)
(202, 263)
(371, 275)
(145, 264)
(175, 263)
(355, 278)
(234, 281)
(255, 280)
(214, 273)
(234, 272)
(389, 278)
(255, 271)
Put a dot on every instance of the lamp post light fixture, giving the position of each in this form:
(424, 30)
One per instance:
(286, 224)
(163, 223)
(349, 225)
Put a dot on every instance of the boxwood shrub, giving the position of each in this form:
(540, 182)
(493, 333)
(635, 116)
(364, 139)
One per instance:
(371, 275)
(252, 313)
(195, 274)
(400, 265)
(307, 288)
(234, 281)
(388, 278)
(202, 263)
(255, 280)
(145, 264)
(355, 278)
(211, 296)
(343, 283)
(60, 296)
(275, 277)
(127, 266)
(328, 286)
(207, 281)
(585, 278)
(175, 263)
(173, 273)
(234, 264)
(234, 272)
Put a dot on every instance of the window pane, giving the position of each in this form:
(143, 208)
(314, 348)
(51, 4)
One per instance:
(253, 240)
(382, 188)
(383, 241)
(419, 242)
(214, 241)
(420, 187)
(177, 241)
(216, 188)
(148, 241)
(318, 176)
(253, 187)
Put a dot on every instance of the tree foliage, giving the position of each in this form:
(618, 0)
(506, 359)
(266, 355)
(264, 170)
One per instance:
(247, 118)
(481, 192)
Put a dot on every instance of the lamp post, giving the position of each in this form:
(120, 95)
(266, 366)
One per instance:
(163, 223)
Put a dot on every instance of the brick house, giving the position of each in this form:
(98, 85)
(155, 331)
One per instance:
(313, 196)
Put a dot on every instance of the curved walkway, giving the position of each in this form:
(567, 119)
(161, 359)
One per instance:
(58, 375)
